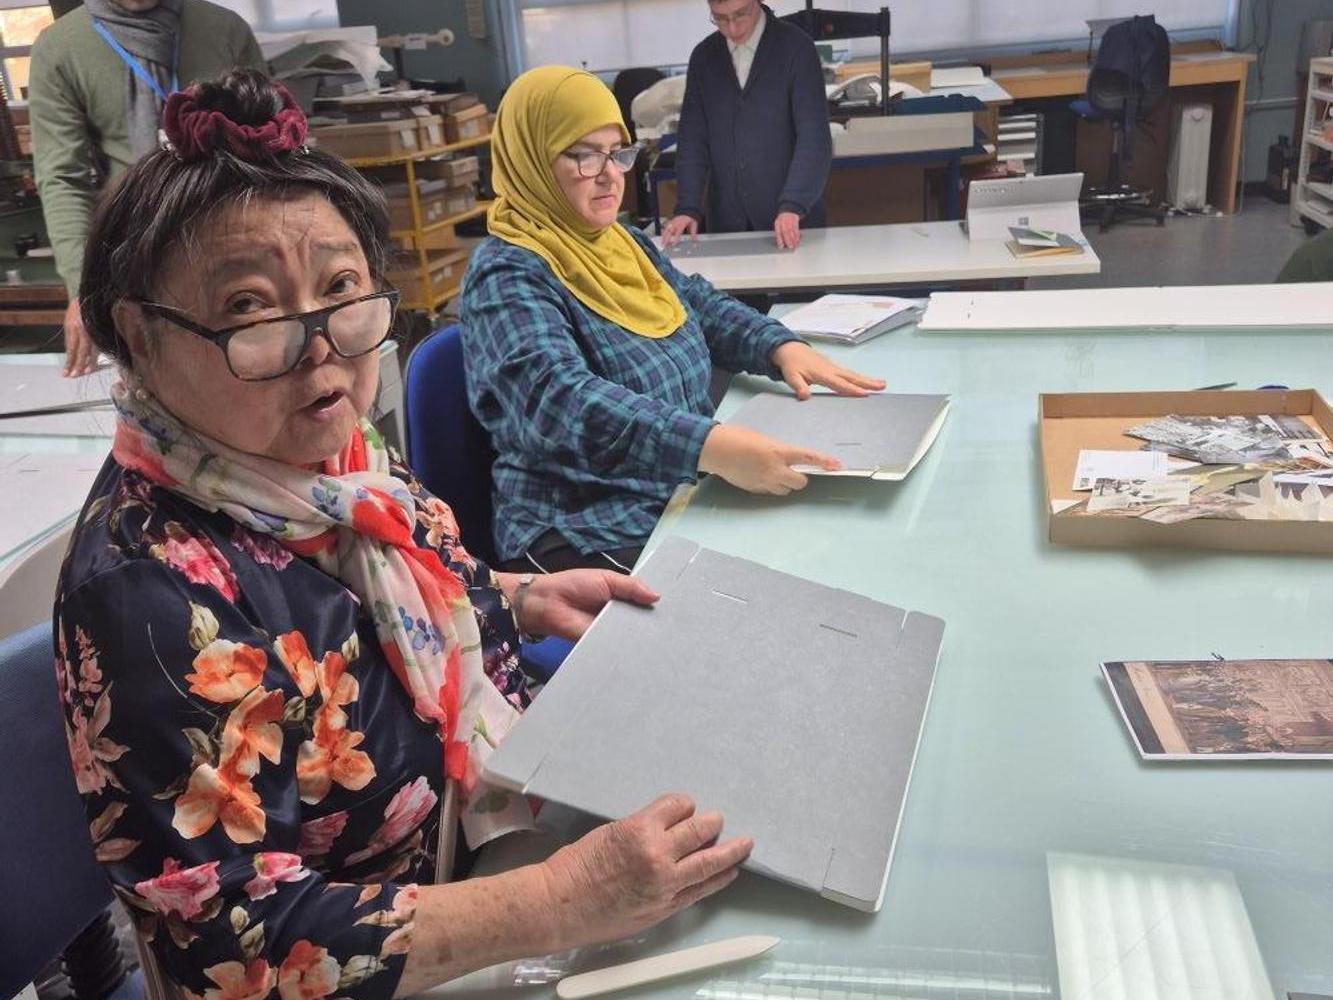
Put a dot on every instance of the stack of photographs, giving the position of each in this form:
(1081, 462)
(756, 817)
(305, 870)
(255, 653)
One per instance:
(1265, 467)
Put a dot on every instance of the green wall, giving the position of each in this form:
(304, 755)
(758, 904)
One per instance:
(476, 60)
(1273, 112)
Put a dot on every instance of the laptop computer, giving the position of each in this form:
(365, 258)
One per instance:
(1042, 202)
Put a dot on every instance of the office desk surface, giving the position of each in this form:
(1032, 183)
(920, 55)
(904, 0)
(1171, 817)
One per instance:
(1226, 71)
(64, 503)
(990, 92)
(50, 436)
(848, 257)
(1024, 761)
(1070, 79)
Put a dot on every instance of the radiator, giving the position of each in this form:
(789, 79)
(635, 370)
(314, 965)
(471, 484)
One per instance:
(1187, 171)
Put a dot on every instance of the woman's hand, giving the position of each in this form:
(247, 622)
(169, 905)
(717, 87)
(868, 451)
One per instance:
(756, 462)
(565, 604)
(629, 875)
(802, 366)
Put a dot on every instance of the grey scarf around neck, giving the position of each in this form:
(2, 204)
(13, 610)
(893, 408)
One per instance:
(151, 38)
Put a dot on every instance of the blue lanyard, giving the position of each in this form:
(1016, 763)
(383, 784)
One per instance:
(135, 66)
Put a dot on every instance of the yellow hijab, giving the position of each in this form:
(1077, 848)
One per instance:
(546, 111)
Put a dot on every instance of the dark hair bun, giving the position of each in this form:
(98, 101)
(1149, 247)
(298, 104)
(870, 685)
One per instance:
(242, 113)
(246, 96)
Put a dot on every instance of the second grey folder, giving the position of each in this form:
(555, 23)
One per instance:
(792, 707)
(882, 435)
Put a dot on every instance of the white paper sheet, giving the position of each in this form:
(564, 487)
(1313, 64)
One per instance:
(40, 492)
(846, 315)
(1095, 464)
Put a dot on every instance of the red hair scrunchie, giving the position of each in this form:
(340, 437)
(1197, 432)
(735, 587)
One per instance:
(195, 132)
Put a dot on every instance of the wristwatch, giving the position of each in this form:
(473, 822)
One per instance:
(521, 595)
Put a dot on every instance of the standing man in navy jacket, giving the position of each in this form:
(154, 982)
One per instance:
(754, 128)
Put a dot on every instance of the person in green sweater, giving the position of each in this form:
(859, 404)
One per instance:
(1312, 262)
(100, 76)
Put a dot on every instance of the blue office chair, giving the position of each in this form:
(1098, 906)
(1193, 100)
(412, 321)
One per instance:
(54, 896)
(1128, 80)
(451, 454)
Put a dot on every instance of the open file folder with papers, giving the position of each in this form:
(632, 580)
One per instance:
(880, 436)
(792, 707)
(852, 319)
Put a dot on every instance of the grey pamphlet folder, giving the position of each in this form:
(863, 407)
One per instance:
(792, 707)
(880, 436)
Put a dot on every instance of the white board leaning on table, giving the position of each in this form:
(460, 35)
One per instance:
(1202, 307)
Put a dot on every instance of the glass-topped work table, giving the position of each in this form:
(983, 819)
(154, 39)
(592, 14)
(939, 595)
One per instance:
(1037, 856)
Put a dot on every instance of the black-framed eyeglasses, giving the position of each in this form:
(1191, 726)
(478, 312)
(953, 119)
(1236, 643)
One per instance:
(740, 17)
(593, 161)
(270, 348)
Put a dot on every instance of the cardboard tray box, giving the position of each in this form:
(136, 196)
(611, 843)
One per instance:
(369, 139)
(430, 131)
(446, 270)
(444, 238)
(455, 102)
(469, 123)
(1068, 422)
(454, 170)
(458, 200)
(434, 207)
(433, 196)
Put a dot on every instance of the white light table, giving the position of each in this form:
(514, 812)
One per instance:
(1038, 857)
(848, 258)
(48, 463)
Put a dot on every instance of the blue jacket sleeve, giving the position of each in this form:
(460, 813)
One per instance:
(692, 157)
(810, 162)
(740, 339)
(530, 385)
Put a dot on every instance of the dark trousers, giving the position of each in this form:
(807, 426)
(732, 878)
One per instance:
(552, 554)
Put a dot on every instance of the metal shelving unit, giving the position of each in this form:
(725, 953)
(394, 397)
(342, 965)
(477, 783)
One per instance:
(425, 300)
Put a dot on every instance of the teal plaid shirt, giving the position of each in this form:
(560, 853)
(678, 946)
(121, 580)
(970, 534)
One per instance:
(594, 426)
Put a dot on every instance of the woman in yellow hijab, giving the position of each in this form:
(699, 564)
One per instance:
(589, 355)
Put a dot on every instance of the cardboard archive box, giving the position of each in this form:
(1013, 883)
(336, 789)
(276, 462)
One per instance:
(456, 170)
(469, 123)
(430, 131)
(393, 138)
(458, 200)
(446, 271)
(1069, 422)
(431, 195)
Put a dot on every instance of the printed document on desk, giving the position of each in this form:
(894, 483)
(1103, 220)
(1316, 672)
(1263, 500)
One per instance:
(819, 782)
(852, 319)
(881, 436)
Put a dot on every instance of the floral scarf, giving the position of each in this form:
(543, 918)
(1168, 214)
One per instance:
(353, 518)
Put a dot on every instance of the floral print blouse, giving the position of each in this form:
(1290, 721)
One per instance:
(257, 785)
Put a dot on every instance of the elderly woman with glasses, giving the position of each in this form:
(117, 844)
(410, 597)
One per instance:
(281, 671)
(589, 355)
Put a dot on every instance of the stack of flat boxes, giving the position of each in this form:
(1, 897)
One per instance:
(414, 123)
